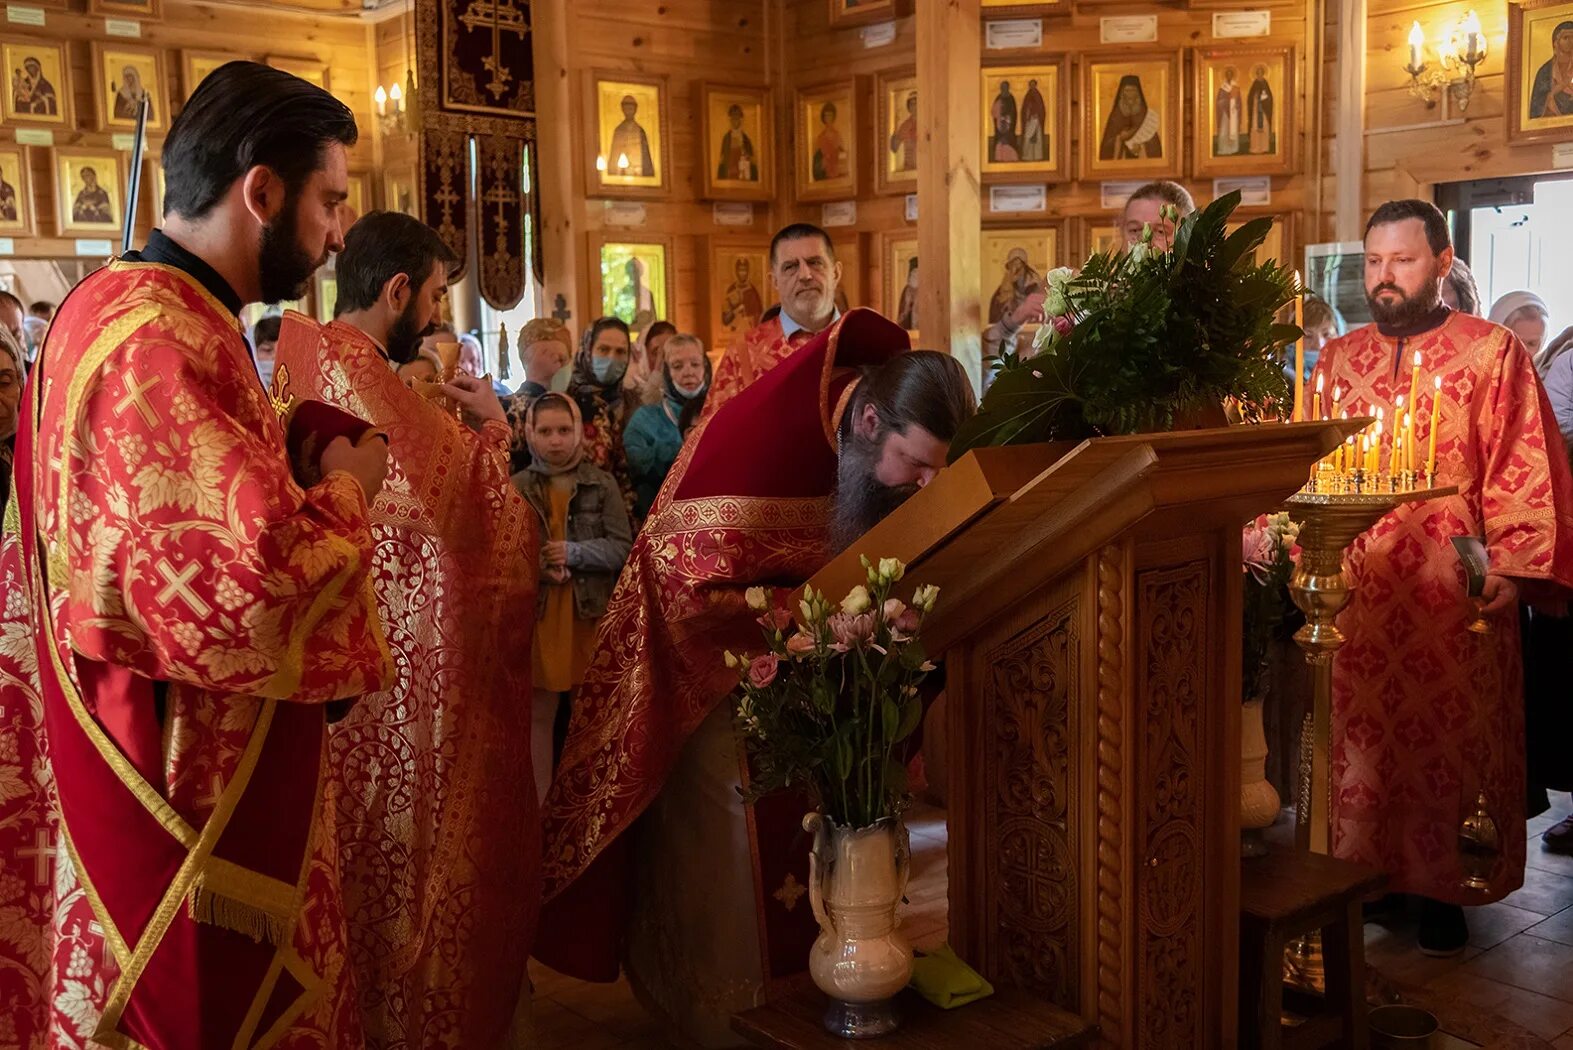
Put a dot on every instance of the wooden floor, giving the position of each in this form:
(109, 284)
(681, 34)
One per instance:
(1519, 964)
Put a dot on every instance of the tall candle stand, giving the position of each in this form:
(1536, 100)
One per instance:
(1333, 510)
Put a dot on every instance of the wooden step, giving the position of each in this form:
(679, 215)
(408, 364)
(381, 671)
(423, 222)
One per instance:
(1010, 1019)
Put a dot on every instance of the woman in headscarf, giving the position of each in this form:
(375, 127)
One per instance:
(588, 537)
(654, 435)
(597, 388)
(1525, 314)
(643, 379)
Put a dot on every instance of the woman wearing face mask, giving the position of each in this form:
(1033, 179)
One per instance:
(654, 436)
(587, 538)
(597, 388)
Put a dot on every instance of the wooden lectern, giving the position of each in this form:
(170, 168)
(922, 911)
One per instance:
(1090, 623)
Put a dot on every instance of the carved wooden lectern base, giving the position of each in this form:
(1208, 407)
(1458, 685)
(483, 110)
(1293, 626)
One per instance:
(1090, 620)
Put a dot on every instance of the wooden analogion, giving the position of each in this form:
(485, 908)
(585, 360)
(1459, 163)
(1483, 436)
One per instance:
(1089, 619)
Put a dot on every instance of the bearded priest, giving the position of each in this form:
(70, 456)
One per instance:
(807, 275)
(791, 470)
(438, 826)
(1428, 713)
(179, 610)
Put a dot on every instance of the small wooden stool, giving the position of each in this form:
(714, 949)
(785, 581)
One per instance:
(1282, 896)
(1010, 1019)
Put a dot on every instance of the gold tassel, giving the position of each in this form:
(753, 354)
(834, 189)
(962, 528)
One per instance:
(215, 909)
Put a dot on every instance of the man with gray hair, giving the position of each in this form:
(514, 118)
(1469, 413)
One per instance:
(1145, 208)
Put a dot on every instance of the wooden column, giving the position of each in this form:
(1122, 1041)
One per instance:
(1349, 146)
(559, 184)
(949, 217)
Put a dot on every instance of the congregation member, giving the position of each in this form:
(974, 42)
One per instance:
(587, 535)
(13, 319)
(654, 437)
(1459, 291)
(1526, 315)
(544, 351)
(36, 324)
(203, 602)
(11, 375)
(437, 820)
(1414, 750)
(788, 472)
(1144, 209)
(264, 346)
(597, 388)
(806, 274)
(643, 379)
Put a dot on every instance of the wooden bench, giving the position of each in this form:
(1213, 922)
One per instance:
(1282, 896)
(1010, 1019)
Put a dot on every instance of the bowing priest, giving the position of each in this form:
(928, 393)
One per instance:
(178, 611)
(438, 829)
(1428, 714)
(806, 274)
(795, 467)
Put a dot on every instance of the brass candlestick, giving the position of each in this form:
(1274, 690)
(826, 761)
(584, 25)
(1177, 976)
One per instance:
(1332, 513)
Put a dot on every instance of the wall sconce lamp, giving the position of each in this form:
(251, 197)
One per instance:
(394, 112)
(1460, 51)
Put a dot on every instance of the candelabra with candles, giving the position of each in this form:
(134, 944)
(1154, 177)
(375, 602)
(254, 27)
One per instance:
(1373, 471)
(1463, 49)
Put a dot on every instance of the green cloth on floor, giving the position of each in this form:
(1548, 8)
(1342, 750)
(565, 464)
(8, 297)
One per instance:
(946, 981)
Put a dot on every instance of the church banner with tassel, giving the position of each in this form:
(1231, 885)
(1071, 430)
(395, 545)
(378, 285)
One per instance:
(477, 74)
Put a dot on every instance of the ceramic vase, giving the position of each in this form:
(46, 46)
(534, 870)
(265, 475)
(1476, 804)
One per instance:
(857, 877)
(1259, 802)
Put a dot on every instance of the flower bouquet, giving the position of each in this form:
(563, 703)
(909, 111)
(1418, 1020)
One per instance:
(1269, 557)
(1143, 339)
(830, 708)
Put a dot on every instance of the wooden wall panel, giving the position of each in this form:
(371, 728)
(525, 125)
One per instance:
(340, 43)
(1408, 147)
(686, 41)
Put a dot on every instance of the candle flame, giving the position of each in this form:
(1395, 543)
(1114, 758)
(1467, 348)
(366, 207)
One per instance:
(1319, 379)
(1417, 358)
(622, 161)
(1439, 384)
(1417, 36)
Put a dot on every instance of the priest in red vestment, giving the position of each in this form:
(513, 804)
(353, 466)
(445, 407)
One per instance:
(806, 274)
(182, 602)
(1427, 714)
(438, 827)
(797, 465)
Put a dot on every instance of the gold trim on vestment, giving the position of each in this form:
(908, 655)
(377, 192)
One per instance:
(112, 934)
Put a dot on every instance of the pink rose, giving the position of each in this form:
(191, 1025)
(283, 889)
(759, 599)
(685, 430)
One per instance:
(776, 620)
(1063, 325)
(851, 631)
(763, 670)
(908, 622)
(800, 645)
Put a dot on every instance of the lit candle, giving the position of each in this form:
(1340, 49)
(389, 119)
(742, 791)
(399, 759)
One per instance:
(1436, 404)
(1409, 440)
(1337, 393)
(1365, 452)
(1398, 435)
(1414, 394)
(1417, 39)
(1317, 414)
(1376, 445)
(1299, 350)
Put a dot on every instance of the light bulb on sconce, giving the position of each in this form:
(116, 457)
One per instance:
(381, 98)
(396, 96)
(1459, 51)
(392, 108)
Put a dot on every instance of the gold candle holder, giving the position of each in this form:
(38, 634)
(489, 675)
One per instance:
(1320, 587)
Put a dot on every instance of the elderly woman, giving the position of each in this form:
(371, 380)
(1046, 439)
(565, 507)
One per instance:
(1526, 315)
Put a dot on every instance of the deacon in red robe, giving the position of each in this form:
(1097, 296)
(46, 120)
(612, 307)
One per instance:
(1427, 714)
(795, 466)
(183, 600)
(806, 274)
(438, 825)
